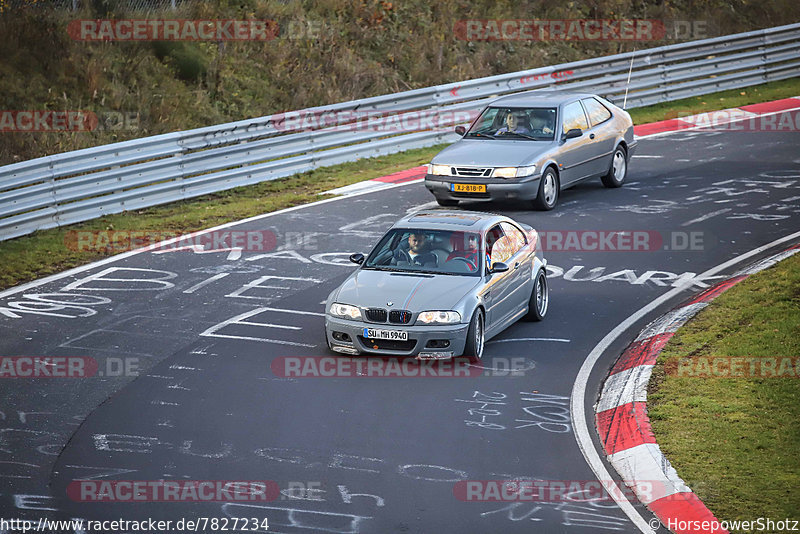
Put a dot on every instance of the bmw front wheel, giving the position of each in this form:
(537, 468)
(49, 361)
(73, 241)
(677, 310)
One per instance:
(475, 336)
(540, 298)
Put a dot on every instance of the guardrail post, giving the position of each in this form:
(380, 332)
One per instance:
(54, 202)
(664, 96)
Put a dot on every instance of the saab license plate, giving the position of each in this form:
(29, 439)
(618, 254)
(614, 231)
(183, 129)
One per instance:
(396, 335)
(468, 188)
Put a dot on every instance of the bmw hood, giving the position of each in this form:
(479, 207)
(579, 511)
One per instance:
(405, 291)
(493, 152)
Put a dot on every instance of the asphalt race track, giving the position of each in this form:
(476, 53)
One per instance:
(372, 455)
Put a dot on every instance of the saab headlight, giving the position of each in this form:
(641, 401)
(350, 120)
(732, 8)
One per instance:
(439, 170)
(513, 172)
(439, 317)
(345, 310)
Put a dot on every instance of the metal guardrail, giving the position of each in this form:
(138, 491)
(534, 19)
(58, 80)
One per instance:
(84, 184)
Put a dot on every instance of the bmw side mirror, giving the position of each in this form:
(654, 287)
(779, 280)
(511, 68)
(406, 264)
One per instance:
(460, 130)
(573, 133)
(498, 267)
(357, 258)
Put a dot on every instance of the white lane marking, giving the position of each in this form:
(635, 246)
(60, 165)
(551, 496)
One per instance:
(233, 253)
(149, 248)
(529, 366)
(262, 339)
(259, 284)
(270, 325)
(767, 262)
(706, 216)
(205, 282)
(529, 339)
(300, 312)
(239, 319)
(578, 396)
(164, 403)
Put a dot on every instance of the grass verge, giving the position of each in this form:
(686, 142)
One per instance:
(735, 440)
(45, 252)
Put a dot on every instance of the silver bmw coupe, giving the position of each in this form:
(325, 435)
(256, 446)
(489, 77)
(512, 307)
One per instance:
(437, 285)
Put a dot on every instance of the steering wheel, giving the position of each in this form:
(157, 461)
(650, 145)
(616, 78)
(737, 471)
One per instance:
(470, 265)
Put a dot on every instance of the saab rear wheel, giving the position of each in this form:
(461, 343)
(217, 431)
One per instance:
(618, 170)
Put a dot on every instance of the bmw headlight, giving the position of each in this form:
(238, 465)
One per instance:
(439, 317)
(345, 310)
(513, 172)
(439, 170)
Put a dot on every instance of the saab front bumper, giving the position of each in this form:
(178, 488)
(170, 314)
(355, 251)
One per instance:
(526, 188)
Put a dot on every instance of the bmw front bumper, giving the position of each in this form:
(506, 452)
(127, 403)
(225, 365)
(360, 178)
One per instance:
(425, 341)
(526, 188)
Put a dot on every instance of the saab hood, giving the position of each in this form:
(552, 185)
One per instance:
(493, 152)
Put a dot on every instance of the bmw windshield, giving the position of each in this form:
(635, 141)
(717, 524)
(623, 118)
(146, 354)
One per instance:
(427, 251)
(535, 124)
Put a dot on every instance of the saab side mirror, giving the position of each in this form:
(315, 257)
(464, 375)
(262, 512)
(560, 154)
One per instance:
(573, 133)
(461, 130)
(357, 258)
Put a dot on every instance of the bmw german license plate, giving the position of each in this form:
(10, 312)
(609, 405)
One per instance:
(395, 335)
(468, 188)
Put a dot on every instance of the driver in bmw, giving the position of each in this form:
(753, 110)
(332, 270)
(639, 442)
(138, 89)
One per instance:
(469, 253)
(417, 253)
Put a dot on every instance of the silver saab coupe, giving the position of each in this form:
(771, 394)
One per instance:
(531, 146)
(437, 285)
